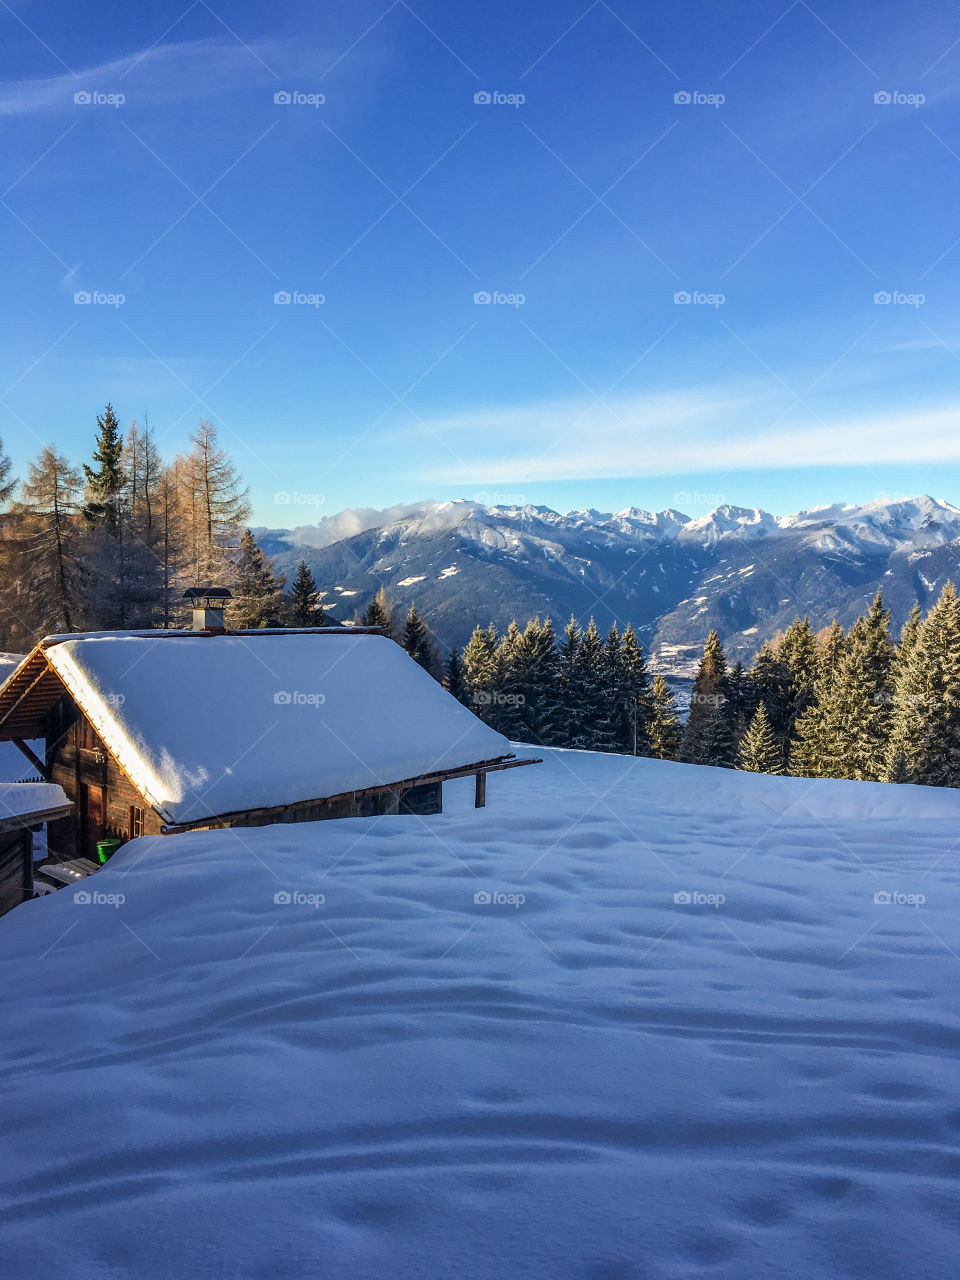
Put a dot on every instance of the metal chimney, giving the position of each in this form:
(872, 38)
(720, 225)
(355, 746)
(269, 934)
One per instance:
(208, 604)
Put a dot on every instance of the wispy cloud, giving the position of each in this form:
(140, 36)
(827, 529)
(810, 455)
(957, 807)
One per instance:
(166, 73)
(678, 433)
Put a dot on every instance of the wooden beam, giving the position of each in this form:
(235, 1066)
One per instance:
(480, 799)
(34, 759)
(27, 853)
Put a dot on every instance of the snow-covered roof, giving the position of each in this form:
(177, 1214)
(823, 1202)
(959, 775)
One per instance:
(209, 725)
(19, 800)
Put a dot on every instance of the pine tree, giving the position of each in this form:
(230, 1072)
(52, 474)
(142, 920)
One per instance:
(926, 705)
(702, 732)
(454, 680)
(418, 641)
(479, 665)
(507, 689)
(769, 682)
(543, 722)
(760, 751)
(808, 749)
(105, 482)
(798, 653)
(305, 607)
(379, 614)
(591, 671)
(637, 696)
(572, 710)
(856, 708)
(258, 595)
(664, 729)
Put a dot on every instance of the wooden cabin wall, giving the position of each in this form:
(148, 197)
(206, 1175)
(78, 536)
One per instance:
(15, 847)
(102, 794)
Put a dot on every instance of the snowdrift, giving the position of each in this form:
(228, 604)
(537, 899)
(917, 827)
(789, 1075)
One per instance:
(632, 1020)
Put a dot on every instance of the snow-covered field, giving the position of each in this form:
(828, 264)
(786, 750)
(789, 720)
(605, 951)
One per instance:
(500, 1046)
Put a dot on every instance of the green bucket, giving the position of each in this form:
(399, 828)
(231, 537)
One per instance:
(106, 849)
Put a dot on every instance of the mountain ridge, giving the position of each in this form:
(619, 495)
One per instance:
(740, 570)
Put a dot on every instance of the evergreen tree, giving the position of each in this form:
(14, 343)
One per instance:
(305, 607)
(769, 682)
(856, 708)
(258, 595)
(479, 665)
(543, 722)
(636, 696)
(926, 706)
(379, 614)
(591, 672)
(106, 481)
(418, 641)
(454, 680)
(703, 736)
(507, 689)
(572, 700)
(760, 751)
(808, 750)
(664, 729)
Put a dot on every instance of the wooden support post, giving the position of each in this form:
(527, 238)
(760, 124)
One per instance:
(481, 796)
(27, 855)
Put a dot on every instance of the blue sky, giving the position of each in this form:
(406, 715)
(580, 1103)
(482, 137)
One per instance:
(781, 196)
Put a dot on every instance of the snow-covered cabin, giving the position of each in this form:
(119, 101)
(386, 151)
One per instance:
(160, 731)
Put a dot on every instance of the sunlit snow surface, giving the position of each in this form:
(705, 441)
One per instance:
(205, 1081)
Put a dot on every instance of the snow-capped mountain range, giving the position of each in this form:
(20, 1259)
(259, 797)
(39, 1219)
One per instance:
(743, 571)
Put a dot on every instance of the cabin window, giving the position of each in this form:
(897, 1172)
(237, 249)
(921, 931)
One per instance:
(136, 822)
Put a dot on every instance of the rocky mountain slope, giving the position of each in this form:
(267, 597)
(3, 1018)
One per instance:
(743, 571)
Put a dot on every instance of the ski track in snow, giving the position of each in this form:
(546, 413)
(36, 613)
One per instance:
(599, 1082)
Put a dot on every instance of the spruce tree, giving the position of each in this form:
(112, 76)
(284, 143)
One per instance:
(808, 750)
(508, 689)
(541, 679)
(417, 639)
(106, 481)
(479, 665)
(591, 672)
(637, 695)
(454, 680)
(702, 734)
(769, 681)
(304, 606)
(760, 751)
(926, 707)
(572, 700)
(258, 599)
(664, 728)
